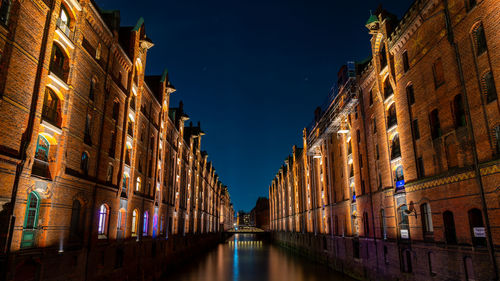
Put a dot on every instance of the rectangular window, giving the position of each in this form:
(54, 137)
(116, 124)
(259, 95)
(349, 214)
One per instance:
(406, 63)
(410, 94)
(371, 97)
(374, 125)
(480, 39)
(416, 131)
(435, 124)
(489, 87)
(420, 167)
(437, 70)
(379, 181)
(377, 154)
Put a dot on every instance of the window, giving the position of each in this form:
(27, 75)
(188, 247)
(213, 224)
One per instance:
(415, 129)
(489, 88)
(371, 97)
(133, 231)
(125, 183)
(132, 102)
(138, 184)
(92, 90)
(430, 259)
(87, 133)
(377, 153)
(109, 174)
(102, 229)
(30, 220)
(437, 70)
(426, 215)
(471, 4)
(130, 127)
(116, 110)
(41, 162)
(458, 111)
(51, 108)
(122, 218)
(449, 228)
(75, 232)
(374, 125)
(383, 56)
(127, 156)
(145, 224)
(4, 11)
(410, 94)
(478, 232)
(392, 119)
(59, 63)
(406, 63)
(386, 255)
(383, 224)
(406, 262)
(366, 224)
(388, 91)
(496, 132)
(84, 164)
(395, 148)
(435, 125)
(480, 40)
(420, 168)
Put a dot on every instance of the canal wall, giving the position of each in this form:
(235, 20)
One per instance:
(368, 259)
(128, 259)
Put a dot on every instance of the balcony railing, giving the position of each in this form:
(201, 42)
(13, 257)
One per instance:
(41, 169)
(51, 115)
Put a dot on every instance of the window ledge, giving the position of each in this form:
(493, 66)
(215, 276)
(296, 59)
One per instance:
(51, 127)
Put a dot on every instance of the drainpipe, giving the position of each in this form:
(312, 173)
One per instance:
(451, 39)
(28, 134)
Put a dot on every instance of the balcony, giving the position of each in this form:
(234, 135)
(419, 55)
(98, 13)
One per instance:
(41, 168)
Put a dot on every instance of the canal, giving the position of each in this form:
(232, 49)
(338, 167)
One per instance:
(246, 257)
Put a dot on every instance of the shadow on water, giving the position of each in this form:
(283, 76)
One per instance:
(248, 257)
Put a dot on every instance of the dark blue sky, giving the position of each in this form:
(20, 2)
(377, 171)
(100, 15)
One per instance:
(252, 72)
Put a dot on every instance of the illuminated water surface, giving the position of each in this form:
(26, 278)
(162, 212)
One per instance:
(246, 258)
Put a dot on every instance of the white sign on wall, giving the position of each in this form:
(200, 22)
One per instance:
(404, 234)
(479, 232)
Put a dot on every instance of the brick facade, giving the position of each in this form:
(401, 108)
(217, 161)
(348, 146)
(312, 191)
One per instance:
(97, 168)
(398, 176)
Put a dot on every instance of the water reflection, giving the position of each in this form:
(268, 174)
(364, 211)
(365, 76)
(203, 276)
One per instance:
(246, 258)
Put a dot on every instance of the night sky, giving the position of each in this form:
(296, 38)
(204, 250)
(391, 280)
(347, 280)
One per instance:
(252, 72)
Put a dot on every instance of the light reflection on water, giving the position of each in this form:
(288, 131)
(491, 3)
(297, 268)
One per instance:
(245, 258)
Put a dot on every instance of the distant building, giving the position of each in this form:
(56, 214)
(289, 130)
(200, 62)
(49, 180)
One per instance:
(259, 216)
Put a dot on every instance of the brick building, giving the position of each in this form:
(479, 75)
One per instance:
(398, 176)
(259, 215)
(97, 169)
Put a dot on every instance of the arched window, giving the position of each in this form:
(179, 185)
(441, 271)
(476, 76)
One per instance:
(64, 21)
(449, 228)
(435, 124)
(489, 88)
(392, 119)
(426, 215)
(59, 64)
(395, 148)
(41, 162)
(383, 224)
(4, 11)
(138, 184)
(478, 232)
(74, 229)
(135, 215)
(30, 220)
(145, 224)
(84, 164)
(388, 91)
(479, 39)
(102, 229)
(51, 108)
(458, 111)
